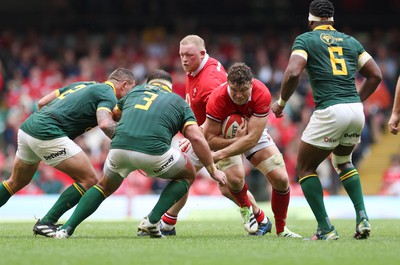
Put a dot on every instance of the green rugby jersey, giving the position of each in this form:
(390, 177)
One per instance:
(73, 112)
(332, 59)
(151, 116)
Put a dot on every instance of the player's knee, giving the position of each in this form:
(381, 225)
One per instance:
(273, 162)
(88, 181)
(225, 191)
(235, 181)
(189, 181)
(340, 163)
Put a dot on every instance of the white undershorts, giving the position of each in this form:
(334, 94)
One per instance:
(52, 152)
(338, 124)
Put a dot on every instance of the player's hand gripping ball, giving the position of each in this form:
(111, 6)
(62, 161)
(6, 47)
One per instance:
(231, 125)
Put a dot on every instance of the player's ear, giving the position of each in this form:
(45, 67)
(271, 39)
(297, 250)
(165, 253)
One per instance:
(310, 24)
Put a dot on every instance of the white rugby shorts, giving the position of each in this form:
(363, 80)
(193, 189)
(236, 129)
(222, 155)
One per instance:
(123, 162)
(340, 124)
(265, 141)
(51, 152)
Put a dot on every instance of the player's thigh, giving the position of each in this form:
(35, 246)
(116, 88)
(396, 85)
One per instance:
(309, 158)
(269, 161)
(21, 174)
(263, 154)
(79, 167)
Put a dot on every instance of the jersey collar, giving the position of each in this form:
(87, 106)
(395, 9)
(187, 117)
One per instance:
(163, 84)
(324, 27)
(112, 85)
(205, 59)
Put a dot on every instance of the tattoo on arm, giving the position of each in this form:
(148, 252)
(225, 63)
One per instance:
(106, 122)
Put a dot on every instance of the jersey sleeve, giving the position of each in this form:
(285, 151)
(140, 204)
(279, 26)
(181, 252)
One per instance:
(215, 105)
(299, 47)
(262, 100)
(363, 56)
(107, 100)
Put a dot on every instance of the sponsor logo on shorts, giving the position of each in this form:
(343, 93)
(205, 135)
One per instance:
(351, 135)
(329, 140)
(55, 154)
(170, 160)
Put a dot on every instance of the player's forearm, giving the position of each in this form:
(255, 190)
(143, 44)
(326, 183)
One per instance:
(203, 152)
(289, 84)
(368, 87)
(291, 76)
(46, 99)
(240, 146)
(109, 129)
(396, 104)
(106, 122)
(218, 142)
(373, 77)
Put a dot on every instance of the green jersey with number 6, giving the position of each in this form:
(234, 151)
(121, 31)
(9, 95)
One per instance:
(73, 112)
(151, 116)
(332, 61)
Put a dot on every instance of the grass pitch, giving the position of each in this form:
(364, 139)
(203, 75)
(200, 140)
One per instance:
(198, 242)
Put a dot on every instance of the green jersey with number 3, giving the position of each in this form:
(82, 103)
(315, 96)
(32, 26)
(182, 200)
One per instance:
(332, 60)
(73, 112)
(151, 116)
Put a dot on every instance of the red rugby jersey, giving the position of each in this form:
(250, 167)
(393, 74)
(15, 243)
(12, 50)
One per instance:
(200, 85)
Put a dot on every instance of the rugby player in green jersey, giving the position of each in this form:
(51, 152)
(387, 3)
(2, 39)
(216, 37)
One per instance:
(150, 116)
(47, 135)
(331, 60)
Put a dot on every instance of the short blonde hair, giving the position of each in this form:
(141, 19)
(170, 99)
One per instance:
(195, 40)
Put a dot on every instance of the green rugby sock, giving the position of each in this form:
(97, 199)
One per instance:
(172, 193)
(5, 193)
(86, 206)
(352, 184)
(313, 192)
(68, 199)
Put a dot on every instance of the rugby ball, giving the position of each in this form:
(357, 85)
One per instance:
(231, 125)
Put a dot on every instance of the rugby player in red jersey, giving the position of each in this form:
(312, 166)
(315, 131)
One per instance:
(242, 94)
(204, 74)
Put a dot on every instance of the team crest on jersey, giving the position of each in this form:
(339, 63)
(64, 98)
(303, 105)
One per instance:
(194, 92)
(328, 39)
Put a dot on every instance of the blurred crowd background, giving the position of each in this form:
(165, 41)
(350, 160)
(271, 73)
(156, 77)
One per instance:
(45, 45)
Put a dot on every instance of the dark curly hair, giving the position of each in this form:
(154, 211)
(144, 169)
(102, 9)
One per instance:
(322, 8)
(239, 74)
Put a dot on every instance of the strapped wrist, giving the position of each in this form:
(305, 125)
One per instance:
(281, 102)
(211, 168)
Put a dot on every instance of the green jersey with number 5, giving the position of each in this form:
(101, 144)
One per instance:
(332, 61)
(73, 112)
(151, 116)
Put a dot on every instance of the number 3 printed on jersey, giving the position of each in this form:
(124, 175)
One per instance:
(338, 64)
(149, 101)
